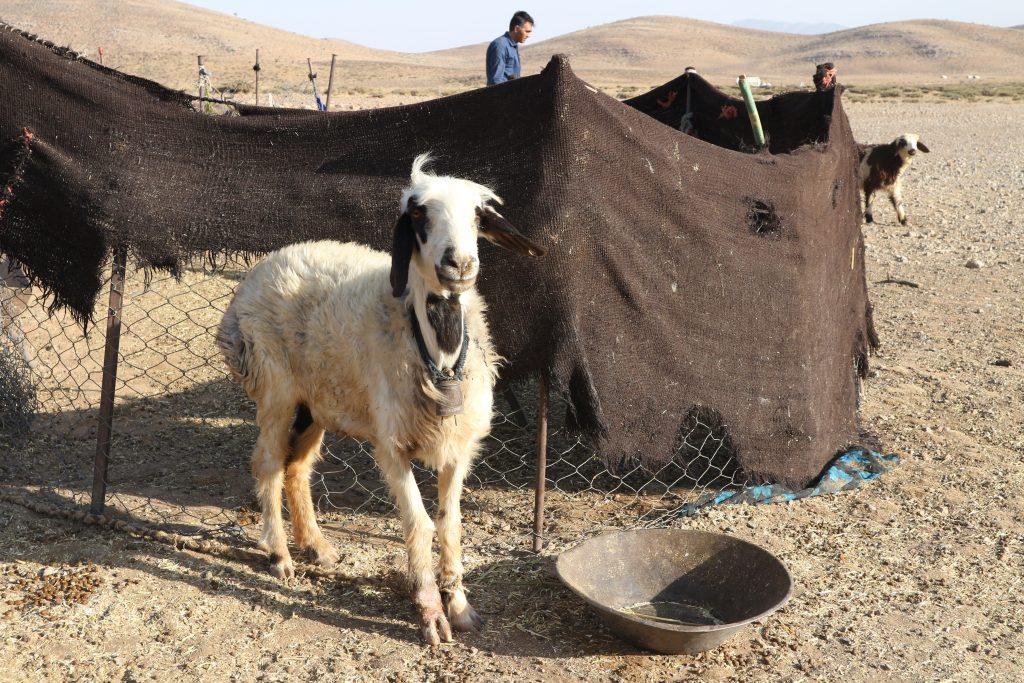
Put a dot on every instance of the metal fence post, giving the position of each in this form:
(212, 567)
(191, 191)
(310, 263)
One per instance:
(542, 462)
(105, 422)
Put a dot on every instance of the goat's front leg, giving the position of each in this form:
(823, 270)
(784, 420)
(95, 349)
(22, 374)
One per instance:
(896, 197)
(449, 532)
(419, 535)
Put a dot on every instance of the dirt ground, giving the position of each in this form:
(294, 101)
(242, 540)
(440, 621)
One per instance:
(915, 577)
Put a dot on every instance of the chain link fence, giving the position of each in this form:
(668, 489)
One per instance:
(183, 431)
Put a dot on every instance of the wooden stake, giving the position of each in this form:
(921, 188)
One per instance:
(105, 424)
(330, 82)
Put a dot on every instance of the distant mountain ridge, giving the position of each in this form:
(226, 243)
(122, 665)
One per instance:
(160, 39)
(803, 28)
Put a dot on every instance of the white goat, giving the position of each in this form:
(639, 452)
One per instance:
(881, 169)
(323, 336)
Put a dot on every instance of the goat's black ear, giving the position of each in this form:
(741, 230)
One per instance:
(923, 147)
(402, 245)
(496, 229)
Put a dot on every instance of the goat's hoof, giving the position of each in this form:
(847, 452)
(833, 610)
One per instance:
(467, 620)
(281, 567)
(868, 218)
(903, 221)
(434, 627)
(460, 613)
(433, 624)
(325, 556)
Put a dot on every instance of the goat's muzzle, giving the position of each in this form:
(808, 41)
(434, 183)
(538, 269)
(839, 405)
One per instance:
(457, 274)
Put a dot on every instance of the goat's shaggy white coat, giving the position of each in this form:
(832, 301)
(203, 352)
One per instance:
(325, 327)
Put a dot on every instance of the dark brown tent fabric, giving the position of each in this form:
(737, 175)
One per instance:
(789, 120)
(683, 276)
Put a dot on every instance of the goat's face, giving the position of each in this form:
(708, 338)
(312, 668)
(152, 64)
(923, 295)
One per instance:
(443, 216)
(436, 235)
(908, 145)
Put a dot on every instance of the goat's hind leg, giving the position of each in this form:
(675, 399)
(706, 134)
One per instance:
(449, 532)
(268, 462)
(419, 536)
(303, 452)
(868, 216)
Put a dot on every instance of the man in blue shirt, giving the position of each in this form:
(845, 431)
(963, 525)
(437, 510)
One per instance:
(503, 52)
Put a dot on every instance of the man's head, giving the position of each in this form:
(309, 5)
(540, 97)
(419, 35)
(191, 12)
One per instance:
(520, 27)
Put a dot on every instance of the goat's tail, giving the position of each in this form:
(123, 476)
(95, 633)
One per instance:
(235, 348)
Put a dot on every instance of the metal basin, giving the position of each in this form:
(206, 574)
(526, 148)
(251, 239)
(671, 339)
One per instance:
(675, 591)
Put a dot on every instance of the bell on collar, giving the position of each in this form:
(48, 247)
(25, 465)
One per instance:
(450, 402)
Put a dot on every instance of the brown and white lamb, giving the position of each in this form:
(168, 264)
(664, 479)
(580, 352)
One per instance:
(881, 170)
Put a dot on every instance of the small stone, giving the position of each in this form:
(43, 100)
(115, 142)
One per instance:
(974, 264)
(1003, 362)
(900, 258)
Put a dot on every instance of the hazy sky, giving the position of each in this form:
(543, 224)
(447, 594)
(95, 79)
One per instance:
(424, 25)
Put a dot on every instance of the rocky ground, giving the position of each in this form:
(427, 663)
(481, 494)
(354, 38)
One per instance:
(915, 577)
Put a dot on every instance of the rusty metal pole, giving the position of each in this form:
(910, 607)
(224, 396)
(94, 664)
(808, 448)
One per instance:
(330, 82)
(542, 462)
(104, 427)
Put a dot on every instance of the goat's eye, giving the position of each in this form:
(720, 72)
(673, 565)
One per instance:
(416, 213)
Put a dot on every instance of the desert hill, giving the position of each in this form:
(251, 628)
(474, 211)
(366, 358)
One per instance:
(654, 48)
(159, 39)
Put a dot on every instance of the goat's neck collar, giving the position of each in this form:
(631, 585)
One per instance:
(437, 373)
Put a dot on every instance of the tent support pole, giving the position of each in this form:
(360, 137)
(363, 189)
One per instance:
(330, 83)
(104, 426)
(542, 462)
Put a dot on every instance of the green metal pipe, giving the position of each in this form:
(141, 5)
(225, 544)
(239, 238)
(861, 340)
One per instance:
(755, 119)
